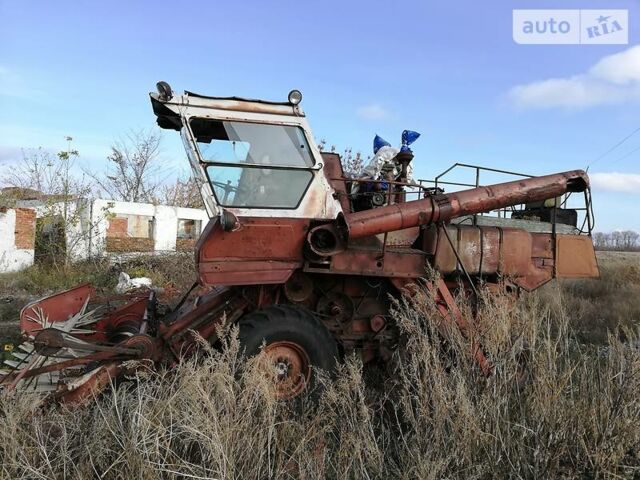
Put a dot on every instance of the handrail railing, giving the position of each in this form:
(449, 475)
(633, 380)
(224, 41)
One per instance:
(477, 168)
(437, 181)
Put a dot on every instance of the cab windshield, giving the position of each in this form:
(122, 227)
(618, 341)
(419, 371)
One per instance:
(253, 164)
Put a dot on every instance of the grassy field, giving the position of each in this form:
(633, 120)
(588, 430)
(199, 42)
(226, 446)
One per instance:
(596, 307)
(426, 415)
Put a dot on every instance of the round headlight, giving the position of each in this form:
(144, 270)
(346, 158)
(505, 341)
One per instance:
(164, 90)
(295, 97)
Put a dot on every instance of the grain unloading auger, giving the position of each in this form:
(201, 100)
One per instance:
(303, 258)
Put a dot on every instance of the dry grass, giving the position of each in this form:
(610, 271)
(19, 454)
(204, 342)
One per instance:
(597, 308)
(172, 272)
(428, 415)
(169, 269)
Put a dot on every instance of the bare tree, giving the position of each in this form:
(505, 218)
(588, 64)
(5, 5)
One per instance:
(629, 240)
(626, 241)
(46, 173)
(59, 194)
(352, 165)
(133, 174)
(600, 240)
(183, 193)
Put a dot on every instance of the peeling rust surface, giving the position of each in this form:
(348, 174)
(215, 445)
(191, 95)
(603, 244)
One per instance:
(259, 251)
(576, 257)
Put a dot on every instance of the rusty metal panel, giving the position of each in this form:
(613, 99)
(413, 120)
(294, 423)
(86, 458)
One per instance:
(263, 238)
(542, 246)
(516, 252)
(479, 249)
(535, 278)
(512, 253)
(246, 272)
(262, 250)
(335, 176)
(576, 257)
(491, 250)
(401, 238)
(57, 308)
(401, 262)
(491, 244)
(430, 239)
(469, 244)
(445, 259)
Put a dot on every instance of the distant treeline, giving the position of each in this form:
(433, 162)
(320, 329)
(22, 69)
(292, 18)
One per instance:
(622, 241)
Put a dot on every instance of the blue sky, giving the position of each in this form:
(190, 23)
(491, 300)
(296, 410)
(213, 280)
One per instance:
(449, 70)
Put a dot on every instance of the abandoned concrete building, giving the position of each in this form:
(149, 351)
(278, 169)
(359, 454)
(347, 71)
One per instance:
(17, 238)
(87, 228)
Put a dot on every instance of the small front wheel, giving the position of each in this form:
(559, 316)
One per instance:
(296, 345)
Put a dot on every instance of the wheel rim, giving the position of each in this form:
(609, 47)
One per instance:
(289, 367)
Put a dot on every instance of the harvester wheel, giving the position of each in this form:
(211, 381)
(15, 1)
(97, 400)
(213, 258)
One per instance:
(296, 344)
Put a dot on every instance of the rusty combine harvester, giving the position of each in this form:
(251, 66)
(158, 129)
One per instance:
(305, 266)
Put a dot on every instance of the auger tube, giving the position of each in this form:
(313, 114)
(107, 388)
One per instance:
(443, 207)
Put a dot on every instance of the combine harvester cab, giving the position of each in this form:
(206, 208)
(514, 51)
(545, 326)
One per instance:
(304, 258)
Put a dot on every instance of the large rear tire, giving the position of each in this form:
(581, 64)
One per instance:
(296, 345)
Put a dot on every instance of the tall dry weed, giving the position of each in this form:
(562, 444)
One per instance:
(428, 414)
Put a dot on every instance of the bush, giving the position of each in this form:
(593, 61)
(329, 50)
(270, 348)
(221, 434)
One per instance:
(42, 279)
(171, 269)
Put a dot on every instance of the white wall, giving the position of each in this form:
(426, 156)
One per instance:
(165, 221)
(87, 236)
(12, 259)
(77, 231)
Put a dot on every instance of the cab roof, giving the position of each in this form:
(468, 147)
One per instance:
(169, 111)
